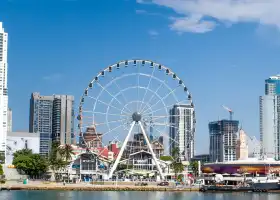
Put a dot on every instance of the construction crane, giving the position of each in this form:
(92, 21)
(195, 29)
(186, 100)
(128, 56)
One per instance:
(230, 111)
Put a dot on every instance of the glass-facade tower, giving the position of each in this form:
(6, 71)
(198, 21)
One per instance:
(223, 140)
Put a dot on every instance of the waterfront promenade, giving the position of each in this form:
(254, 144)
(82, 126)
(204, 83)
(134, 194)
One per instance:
(107, 186)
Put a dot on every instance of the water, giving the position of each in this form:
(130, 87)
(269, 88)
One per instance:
(85, 195)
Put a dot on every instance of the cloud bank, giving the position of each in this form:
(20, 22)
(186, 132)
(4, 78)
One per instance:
(202, 16)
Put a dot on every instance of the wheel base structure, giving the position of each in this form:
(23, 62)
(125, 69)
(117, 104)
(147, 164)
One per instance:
(114, 167)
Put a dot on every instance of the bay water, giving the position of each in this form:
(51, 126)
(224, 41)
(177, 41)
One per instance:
(108, 195)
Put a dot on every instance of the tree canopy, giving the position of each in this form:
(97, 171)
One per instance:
(1, 170)
(31, 164)
(176, 165)
(194, 167)
(166, 158)
(60, 156)
(66, 152)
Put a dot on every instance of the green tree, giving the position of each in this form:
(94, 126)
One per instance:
(54, 153)
(166, 158)
(66, 152)
(177, 164)
(31, 164)
(25, 152)
(55, 160)
(1, 170)
(194, 167)
(2, 157)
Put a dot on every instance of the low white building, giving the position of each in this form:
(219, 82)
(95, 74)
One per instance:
(21, 140)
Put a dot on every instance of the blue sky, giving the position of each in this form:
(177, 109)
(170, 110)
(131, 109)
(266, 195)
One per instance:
(223, 52)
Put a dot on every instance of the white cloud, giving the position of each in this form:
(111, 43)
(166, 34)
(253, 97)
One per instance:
(53, 77)
(153, 33)
(203, 15)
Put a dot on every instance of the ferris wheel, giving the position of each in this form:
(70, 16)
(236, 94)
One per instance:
(140, 104)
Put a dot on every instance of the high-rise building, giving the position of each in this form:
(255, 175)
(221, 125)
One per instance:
(40, 120)
(270, 118)
(242, 150)
(272, 85)
(53, 118)
(10, 120)
(182, 129)
(63, 119)
(270, 125)
(223, 140)
(3, 89)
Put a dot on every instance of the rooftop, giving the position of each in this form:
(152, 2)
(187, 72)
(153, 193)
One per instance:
(22, 134)
(1, 27)
(248, 161)
(277, 77)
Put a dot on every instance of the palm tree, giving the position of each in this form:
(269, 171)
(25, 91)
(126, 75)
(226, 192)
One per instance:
(55, 162)
(67, 152)
(176, 165)
(194, 166)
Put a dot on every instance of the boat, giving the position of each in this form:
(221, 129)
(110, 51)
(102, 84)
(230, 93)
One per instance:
(256, 184)
(270, 183)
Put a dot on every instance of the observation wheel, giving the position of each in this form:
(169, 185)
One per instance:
(139, 110)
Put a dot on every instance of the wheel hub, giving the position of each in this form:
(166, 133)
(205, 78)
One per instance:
(136, 117)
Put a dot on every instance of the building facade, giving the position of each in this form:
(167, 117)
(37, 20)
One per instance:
(270, 125)
(3, 89)
(242, 150)
(63, 119)
(53, 118)
(40, 120)
(10, 120)
(223, 140)
(204, 158)
(91, 139)
(182, 130)
(21, 140)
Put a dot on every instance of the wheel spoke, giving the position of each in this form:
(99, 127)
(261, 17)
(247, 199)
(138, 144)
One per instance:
(119, 88)
(106, 103)
(166, 107)
(109, 93)
(150, 79)
(161, 100)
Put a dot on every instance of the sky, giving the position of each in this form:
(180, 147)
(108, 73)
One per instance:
(222, 50)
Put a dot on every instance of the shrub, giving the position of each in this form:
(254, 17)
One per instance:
(1, 170)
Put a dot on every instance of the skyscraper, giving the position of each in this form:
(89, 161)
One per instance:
(40, 120)
(272, 85)
(63, 119)
(10, 120)
(53, 118)
(223, 140)
(182, 129)
(269, 125)
(270, 118)
(3, 89)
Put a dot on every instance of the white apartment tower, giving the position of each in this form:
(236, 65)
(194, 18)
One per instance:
(182, 129)
(3, 89)
(269, 126)
(270, 118)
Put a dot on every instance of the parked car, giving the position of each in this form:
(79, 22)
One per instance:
(141, 184)
(165, 183)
